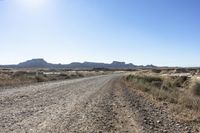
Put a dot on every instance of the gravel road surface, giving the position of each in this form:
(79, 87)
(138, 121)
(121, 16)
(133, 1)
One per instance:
(100, 104)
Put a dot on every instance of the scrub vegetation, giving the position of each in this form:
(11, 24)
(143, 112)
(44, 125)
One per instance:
(181, 90)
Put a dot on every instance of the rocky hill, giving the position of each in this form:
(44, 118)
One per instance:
(41, 63)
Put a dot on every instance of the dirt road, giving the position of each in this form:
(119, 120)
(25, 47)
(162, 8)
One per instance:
(100, 104)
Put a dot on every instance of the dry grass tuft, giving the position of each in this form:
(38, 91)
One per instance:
(168, 89)
(190, 102)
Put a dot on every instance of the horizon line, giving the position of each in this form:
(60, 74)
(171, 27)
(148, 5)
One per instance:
(159, 66)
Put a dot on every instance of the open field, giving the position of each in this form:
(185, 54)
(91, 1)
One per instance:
(16, 77)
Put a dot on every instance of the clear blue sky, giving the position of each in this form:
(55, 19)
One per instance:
(160, 32)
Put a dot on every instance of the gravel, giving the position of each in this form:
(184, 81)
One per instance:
(100, 104)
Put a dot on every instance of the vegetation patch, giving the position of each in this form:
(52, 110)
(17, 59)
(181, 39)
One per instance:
(195, 88)
(13, 77)
(177, 89)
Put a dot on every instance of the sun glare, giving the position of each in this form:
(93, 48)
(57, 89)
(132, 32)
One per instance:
(32, 4)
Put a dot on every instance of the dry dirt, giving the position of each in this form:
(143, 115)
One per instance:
(102, 104)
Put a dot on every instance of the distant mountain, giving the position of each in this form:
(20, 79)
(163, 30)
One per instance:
(114, 65)
(150, 66)
(34, 63)
(41, 63)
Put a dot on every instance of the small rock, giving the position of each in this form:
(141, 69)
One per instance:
(158, 121)
(164, 131)
(151, 128)
(165, 104)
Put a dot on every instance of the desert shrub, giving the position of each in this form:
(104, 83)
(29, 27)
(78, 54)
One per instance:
(167, 85)
(172, 83)
(40, 78)
(195, 88)
(159, 88)
(67, 77)
(164, 95)
(80, 75)
(163, 92)
(190, 102)
(156, 70)
(20, 73)
(73, 75)
(144, 79)
(165, 89)
(157, 84)
(179, 81)
(129, 77)
(143, 86)
(45, 75)
(150, 79)
(64, 76)
(181, 70)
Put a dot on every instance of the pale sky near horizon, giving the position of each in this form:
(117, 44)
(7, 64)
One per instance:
(159, 32)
